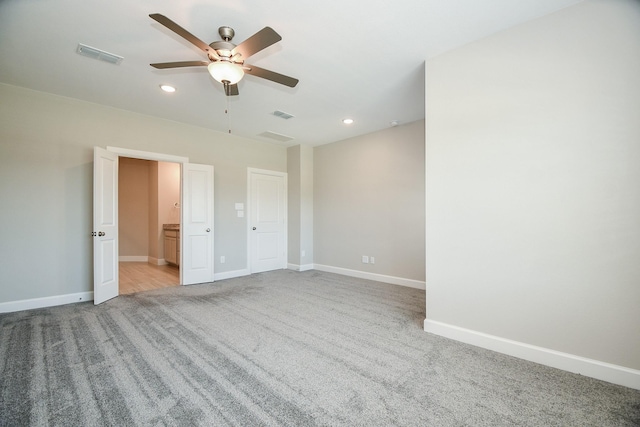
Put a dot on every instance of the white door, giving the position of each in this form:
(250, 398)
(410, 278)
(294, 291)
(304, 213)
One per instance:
(267, 220)
(105, 225)
(196, 236)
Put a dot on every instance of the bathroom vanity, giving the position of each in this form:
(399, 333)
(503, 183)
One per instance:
(172, 243)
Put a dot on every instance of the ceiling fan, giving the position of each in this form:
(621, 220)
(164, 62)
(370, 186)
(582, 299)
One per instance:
(226, 60)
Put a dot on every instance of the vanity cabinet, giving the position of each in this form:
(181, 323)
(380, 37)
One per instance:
(172, 246)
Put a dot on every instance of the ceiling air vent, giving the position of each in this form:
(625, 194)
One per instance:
(282, 115)
(275, 136)
(101, 55)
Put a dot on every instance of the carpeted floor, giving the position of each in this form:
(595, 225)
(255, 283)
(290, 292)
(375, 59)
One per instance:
(278, 348)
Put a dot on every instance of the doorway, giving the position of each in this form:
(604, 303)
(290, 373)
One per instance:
(196, 226)
(149, 224)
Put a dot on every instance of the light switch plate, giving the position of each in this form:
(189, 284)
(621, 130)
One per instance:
(239, 206)
(240, 214)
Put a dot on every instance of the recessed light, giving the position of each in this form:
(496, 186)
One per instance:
(168, 88)
(347, 121)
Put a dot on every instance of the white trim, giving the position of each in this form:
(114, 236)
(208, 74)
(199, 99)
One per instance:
(400, 281)
(30, 304)
(124, 258)
(231, 274)
(147, 155)
(157, 261)
(297, 267)
(568, 362)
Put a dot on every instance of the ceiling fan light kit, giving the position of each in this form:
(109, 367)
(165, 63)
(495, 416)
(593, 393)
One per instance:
(226, 72)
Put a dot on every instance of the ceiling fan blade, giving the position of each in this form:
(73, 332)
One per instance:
(231, 90)
(270, 75)
(260, 40)
(183, 33)
(163, 65)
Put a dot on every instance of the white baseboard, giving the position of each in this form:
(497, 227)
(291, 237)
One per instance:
(417, 284)
(133, 259)
(568, 362)
(231, 274)
(156, 261)
(30, 304)
(297, 267)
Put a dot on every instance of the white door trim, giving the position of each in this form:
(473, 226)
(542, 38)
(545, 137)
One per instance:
(284, 175)
(147, 155)
(159, 157)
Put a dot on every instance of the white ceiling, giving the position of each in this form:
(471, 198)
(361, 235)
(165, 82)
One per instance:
(363, 60)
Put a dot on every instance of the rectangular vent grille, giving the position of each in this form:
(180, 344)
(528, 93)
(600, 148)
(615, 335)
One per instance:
(101, 55)
(283, 115)
(276, 136)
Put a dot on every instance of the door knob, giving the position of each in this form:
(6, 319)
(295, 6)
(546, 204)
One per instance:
(101, 233)
(254, 228)
(208, 230)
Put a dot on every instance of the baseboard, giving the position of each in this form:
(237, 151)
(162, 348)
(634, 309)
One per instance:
(156, 261)
(568, 362)
(417, 284)
(297, 267)
(231, 274)
(133, 259)
(30, 304)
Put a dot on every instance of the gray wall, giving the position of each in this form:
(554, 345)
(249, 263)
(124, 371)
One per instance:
(306, 205)
(300, 203)
(369, 200)
(533, 203)
(46, 158)
(293, 204)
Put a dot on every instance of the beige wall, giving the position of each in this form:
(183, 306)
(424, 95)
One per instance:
(156, 245)
(369, 200)
(46, 157)
(148, 192)
(533, 207)
(168, 196)
(133, 207)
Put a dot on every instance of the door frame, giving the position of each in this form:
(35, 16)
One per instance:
(159, 157)
(284, 176)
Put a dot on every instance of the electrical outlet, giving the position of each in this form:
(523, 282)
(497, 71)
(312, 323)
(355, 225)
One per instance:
(222, 259)
(365, 259)
(372, 260)
(303, 253)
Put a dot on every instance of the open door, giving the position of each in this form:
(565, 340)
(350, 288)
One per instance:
(196, 265)
(105, 225)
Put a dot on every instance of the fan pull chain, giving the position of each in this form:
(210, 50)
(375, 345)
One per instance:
(226, 111)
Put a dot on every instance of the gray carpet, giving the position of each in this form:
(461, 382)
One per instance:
(277, 348)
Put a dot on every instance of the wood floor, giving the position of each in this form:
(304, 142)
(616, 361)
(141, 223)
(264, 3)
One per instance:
(142, 276)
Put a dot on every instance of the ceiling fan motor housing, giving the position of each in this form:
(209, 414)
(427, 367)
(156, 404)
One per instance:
(222, 48)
